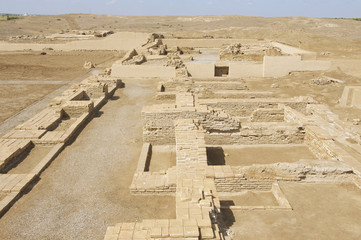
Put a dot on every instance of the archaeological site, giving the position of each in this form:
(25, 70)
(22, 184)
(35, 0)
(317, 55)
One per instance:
(176, 131)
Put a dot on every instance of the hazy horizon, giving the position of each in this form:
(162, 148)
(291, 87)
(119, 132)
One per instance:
(261, 8)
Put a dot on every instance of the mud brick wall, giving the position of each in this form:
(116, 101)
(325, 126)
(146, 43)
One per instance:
(320, 143)
(97, 91)
(75, 109)
(299, 106)
(279, 135)
(218, 121)
(242, 109)
(78, 96)
(154, 182)
(246, 108)
(233, 94)
(166, 96)
(268, 115)
(158, 127)
(238, 184)
(220, 85)
(194, 84)
(291, 115)
(172, 85)
(110, 81)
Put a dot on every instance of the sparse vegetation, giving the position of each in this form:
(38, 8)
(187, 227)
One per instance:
(166, 25)
(9, 17)
(356, 19)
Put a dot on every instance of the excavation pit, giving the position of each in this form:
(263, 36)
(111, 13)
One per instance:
(315, 207)
(162, 158)
(248, 198)
(243, 155)
(29, 160)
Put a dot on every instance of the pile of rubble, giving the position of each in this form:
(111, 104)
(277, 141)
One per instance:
(323, 80)
(175, 61)
(135, 60)
(248, 52)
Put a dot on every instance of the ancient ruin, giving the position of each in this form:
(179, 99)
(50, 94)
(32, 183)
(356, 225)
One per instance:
(216, 147)
(208, 110)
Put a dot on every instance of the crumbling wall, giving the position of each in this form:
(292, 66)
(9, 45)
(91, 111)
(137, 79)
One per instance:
(320, 143)
(268, 115)
(265, 134)
(248, 52)
(158, 126)
(245, 107)
(201, 84)
(238, 184)
(260, 177)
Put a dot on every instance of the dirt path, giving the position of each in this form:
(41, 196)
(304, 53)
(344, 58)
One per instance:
(86, 188)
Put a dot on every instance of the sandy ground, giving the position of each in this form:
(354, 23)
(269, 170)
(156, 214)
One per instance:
(321, 211)
(249, 198)
(26, 95)
(257, 154)
(163, 157)
(86, 188)
(32, 75)
(120, 41)
(299, 30)
(38, 105)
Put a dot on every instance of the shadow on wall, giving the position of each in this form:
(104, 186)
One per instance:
(226, 218)
(215, 156)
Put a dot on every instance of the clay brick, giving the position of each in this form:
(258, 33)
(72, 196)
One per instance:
(176, 231)
(207, 233)
(156, 232)
(191, 231)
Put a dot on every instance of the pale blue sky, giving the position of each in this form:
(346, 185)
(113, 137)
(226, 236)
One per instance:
(266, 8)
